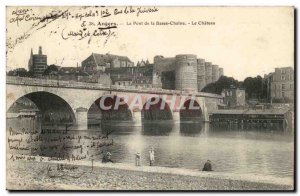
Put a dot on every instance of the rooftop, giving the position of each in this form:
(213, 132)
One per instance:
(101, 59)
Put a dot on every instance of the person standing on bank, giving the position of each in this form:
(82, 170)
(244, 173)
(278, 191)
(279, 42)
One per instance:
(151, 153)
(138, 159)
(207, 166)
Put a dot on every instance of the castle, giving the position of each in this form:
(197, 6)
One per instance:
(184, 72)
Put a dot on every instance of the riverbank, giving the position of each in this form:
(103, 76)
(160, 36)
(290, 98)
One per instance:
(34, 175)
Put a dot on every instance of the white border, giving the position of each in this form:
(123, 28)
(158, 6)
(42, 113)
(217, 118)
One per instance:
(5, 3)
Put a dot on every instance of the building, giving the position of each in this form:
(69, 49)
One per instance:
(76, 74)
(184, 72)
(29, 113)
(37, 63)
(120, 69)
(234, 97)
(99, 62)
(280, 85)
(138, 76)
(271, 119)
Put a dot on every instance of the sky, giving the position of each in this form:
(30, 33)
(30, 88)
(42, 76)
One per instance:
(245, 41)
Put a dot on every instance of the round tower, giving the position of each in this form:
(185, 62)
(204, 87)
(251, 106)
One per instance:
(186, 72)
(208, 72)
(215, 73)
(221, 72)
(201, 74)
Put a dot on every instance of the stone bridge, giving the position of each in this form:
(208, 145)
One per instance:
(77, 98)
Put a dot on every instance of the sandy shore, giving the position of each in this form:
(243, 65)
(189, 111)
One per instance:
(34, 175)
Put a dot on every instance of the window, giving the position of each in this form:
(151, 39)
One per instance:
(283, 94)
(282, 77)
(283, 86)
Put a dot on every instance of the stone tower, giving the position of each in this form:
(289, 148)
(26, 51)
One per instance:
(201, 74)
(215, 73)
(208, 72)
(186, 72)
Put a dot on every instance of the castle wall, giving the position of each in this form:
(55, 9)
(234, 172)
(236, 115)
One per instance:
(190, 73)
(161, 64)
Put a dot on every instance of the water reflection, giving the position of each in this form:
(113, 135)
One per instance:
(191, 128)
(114, 127)
(188, 144)
(157, 128)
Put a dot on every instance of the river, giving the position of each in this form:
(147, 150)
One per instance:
(190, 145)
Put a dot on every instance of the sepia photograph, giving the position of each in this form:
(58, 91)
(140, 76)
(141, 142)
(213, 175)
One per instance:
(150, 98)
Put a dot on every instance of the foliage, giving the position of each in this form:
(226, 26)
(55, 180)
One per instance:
(223, 82)
(50, 70)
(21, 72)
(255, 88)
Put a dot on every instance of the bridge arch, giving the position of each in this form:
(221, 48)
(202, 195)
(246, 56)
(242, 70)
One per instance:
(53, 108)
(190, 110)
(109, 108)
(156, 108)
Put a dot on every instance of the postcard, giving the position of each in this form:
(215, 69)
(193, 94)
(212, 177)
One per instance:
(150, 98)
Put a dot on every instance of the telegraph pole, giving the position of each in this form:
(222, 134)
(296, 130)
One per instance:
(77, 73)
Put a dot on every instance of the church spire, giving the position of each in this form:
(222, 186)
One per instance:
(40, 50)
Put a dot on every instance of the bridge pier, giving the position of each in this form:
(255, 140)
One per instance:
(81, 118)
(176, 116)
(137, 117)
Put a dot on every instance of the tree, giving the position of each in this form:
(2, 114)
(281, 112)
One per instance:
(223, 82)
(255, 88)
(18, 72)
(50, 70)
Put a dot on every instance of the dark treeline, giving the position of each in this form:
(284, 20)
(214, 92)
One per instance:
(255, 87)
(20, 72)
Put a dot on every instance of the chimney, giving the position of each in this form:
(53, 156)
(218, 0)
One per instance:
(40, 50)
